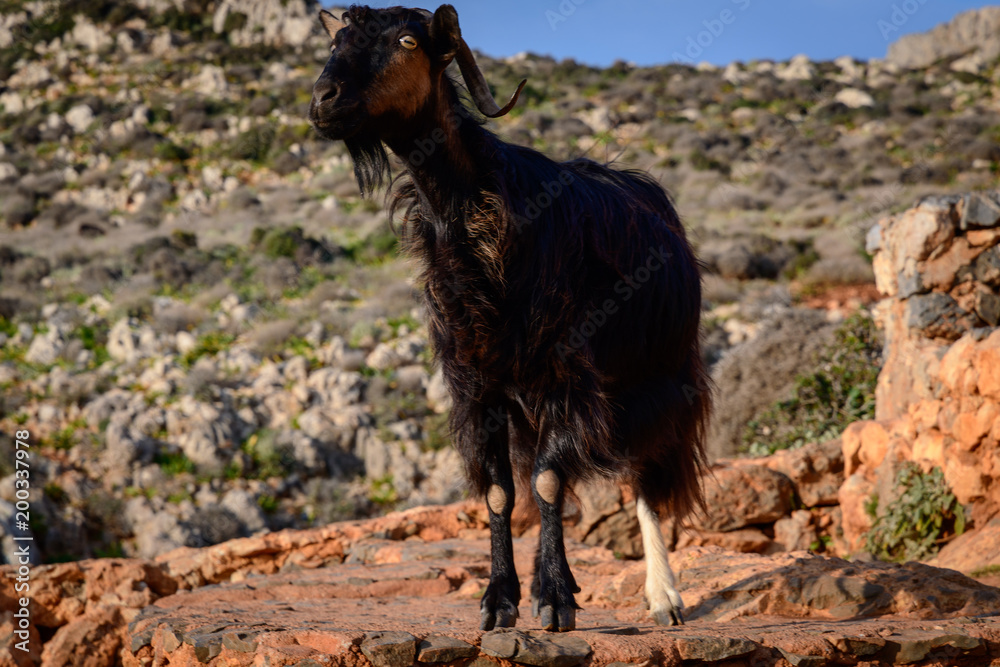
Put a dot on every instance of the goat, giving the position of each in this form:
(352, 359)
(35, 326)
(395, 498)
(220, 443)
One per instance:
(563, 300)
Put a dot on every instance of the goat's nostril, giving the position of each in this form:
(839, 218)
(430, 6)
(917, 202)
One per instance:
(325, 91)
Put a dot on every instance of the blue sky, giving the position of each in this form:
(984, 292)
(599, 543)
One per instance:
(718, 31)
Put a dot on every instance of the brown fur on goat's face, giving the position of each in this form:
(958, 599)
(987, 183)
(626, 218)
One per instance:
(381, 71)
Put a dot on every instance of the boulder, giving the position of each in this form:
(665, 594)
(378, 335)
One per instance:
(815, 470)
(743, 495)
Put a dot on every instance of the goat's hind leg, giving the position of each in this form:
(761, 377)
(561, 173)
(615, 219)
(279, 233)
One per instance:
(553, 585)
(661, 592)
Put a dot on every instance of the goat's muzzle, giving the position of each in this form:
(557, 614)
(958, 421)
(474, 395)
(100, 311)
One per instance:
(325, 89)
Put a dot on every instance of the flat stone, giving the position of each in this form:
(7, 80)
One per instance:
(803, 660)
(909, 284)
(144, 638)
(442, 648)
(169, 640)
(390, 649)
(914, 649)
(988, 308)
(987, 266)
(539, 649)
(860, 646)
(206, 647)
(714, 649)
(241, 642)
(979, 211)
(937, 315)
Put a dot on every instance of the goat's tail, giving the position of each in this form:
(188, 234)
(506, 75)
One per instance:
(666, 439)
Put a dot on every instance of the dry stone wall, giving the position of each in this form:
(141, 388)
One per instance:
(938, 395)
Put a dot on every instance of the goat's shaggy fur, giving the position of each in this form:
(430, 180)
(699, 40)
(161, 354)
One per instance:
(563, 304)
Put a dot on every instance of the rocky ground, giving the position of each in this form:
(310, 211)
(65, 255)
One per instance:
(406, 586)
(209, 334)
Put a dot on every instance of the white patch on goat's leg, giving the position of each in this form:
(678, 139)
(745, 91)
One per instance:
(661, 593)
(496, 498)
(547, 485)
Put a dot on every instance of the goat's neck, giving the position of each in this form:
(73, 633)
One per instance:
(443, 153)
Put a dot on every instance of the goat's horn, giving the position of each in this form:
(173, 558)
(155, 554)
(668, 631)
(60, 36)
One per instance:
(479, 88)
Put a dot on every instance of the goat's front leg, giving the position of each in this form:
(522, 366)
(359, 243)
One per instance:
(553, 585)
(499, 604)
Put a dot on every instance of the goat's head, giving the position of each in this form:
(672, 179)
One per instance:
(385, 69)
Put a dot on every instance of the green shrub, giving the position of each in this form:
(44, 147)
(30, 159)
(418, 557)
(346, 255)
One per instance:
(168, 151)
(173, 463)
(913, 524)
(282, 242)
(825, 401)
(235, 21)
(268, 503)
(383, 493)
(209, 344)
(254, 144)
(269, 458)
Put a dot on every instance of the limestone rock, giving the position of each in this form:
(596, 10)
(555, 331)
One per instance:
(975, 551)
(742, 495)
(854, 98)
(442, 648)
(816, 471)
(535, 648)
(980, 210)
(102, 632)
(974, 29)
(80, 117)
(715, 649)
(390, 649)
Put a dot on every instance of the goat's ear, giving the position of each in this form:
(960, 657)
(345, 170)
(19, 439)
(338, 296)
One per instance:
(330, 23)
(446, 36)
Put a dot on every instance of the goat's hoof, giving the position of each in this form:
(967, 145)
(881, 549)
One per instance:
(558, 619)
(497, 611)
(504, 616)
(667, 615)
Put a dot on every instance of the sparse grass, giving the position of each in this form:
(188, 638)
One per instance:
(437, 434)
(382, 492)
(825, 401)
(988, 571)
(94, 339)
(209, 344)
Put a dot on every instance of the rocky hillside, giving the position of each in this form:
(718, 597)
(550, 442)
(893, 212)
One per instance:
(209, 334)
(759, 571)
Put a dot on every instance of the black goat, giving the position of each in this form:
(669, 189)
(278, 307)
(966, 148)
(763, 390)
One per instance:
(563, 299)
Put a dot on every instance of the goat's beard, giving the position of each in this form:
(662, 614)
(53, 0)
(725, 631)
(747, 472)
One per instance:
(371, 164)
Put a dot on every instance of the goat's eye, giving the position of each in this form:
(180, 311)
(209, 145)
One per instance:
(408, 42)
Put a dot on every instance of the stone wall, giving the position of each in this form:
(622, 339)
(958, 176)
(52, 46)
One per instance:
(938, 395)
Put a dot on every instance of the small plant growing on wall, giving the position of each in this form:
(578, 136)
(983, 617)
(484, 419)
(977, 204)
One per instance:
(915, 524)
